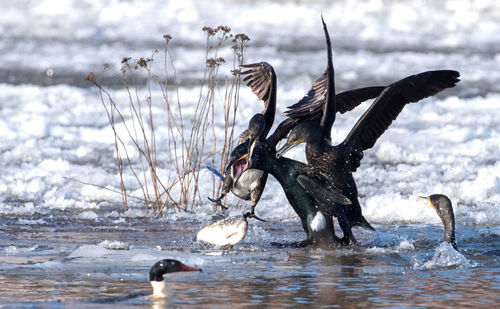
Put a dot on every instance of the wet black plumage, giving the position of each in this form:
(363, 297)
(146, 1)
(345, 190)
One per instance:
(309, 192)
(340, 161)
(442, 205)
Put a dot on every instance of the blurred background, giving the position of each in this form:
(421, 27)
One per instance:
(50, 42)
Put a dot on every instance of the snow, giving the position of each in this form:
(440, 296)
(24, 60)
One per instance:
(55, 137)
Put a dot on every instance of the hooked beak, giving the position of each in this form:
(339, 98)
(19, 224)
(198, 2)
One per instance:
(428, 199)
(250, 150)
(284, 149)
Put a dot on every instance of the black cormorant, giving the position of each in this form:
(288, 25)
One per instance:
(340, 161)
(442, 205)
(249, 184)
(310, 193)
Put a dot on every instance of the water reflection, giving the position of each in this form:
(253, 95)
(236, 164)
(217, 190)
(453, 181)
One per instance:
(34, 269)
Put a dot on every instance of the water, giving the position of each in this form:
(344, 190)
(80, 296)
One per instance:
(63, 243)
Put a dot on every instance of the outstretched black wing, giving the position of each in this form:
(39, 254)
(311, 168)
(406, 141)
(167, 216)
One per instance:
(391, 102)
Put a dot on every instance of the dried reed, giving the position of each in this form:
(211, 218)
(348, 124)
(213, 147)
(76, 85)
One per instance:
(186, 141)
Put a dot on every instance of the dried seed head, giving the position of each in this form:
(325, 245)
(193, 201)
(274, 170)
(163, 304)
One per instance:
(210, 31)
(143, 63)
(126, 59)
(211, 62)
(223, 29)
(90, 77)
(241, 36)
(167, 37)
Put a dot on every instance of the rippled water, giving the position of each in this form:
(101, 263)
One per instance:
(107, 263)
(67, 244)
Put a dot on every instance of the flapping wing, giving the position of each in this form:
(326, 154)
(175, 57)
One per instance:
(391, 102)
(310, 107)
(260, 77)
(348, 100)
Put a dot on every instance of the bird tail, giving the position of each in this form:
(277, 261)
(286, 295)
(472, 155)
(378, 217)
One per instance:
(361, 221)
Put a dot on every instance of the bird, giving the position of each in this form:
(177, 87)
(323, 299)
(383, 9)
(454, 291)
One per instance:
(442, 205)
(342, 160)
(226, 232)
(444, 209)
(310, 193)
(249, 184)
(164, 267)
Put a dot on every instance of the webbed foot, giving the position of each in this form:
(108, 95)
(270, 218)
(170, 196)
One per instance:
(218, 202)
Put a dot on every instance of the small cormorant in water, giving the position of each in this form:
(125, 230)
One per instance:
(444, 209)
(226, 232)
(442, 205)
(164, 267)
(340, 161)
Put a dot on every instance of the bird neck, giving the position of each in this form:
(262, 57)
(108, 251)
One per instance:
(270, 111)
(449, 234)
(448, 220)
(159, 288)
(314, 148)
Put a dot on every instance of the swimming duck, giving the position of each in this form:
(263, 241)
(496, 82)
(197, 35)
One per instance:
(226, 232)
(340, 161)
(164, 267)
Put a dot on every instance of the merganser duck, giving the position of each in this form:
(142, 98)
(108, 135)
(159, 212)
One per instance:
(164, 267)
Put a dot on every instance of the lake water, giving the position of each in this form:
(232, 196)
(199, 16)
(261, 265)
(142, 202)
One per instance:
(67, 244)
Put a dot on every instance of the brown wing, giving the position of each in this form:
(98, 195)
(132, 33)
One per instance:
(260, 77)
(391, 102)
(311, 105)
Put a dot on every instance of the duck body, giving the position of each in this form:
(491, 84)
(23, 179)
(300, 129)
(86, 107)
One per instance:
(225, 232)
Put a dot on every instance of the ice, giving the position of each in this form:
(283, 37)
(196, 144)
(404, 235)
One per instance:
(114, 245)
(57, 147)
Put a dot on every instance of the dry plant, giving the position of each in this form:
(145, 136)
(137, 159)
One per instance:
(186, 141)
